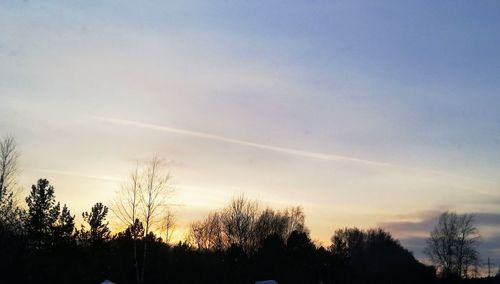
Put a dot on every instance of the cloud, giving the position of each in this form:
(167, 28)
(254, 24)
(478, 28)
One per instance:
(416, 245)
(306, 154)
(488, 219)
(429, 219)
(404, 228)
(413, 235)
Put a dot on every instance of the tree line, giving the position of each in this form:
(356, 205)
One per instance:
(239, 243)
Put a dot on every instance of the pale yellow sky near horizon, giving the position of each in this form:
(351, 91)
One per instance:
(200, 190)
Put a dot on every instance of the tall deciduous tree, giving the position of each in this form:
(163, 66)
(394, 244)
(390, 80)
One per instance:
(126, 208)
(143, 202)
(10, 214)
(242, 225)
(155, 188)
(168, 224)
(8, 165)
(452, 245)
(238, 221)
(208, 234)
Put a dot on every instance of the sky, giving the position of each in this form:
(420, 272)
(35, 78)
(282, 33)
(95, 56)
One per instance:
(364, 113)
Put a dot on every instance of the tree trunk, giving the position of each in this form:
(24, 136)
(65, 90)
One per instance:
(144, 259)
(136, 264)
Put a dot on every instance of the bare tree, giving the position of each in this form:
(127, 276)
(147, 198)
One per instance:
(271, 222)
(168, 225)
(155, 188)
(198, 235)
(214, 230)
(126, 208)
(467, 241)
(10, 213)
(296, 220)
(452, 245)
(238, 222)
(207, 234)
(8, 165)
(268, 223)
(141, 203)
(242, 224)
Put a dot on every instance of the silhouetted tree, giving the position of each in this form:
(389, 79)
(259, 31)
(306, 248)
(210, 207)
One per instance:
(168, 225)
(8, 165)
(126, 208)
(348, 244)
(143, 201)
(301, 254)
(43, 213)
(12, 233)
(271, 258)
(155, 191)
(10, 213)
(11, 216)
(198, 234)
(269, 223)
(98, 232)
(452, 245)
(374, 256)
(241, 224)
(295, 220)
(64, 226)
(257, 246)
(238, 221)
(207, 234)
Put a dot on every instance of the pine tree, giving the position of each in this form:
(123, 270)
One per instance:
(43, 213)
(98, 232)
(65, 226)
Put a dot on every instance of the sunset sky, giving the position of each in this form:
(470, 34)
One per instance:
(365, 114)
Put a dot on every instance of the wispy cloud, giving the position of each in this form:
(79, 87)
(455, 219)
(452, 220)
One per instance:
(74, 174)
(470, 184)
(203, 135)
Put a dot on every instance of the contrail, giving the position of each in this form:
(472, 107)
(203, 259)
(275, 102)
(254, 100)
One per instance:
(307, 154)
(73, 174)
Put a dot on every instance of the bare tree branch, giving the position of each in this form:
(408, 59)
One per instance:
(8, 165)
(142, 202)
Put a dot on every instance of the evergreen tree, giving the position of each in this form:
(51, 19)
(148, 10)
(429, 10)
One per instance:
(65, 226)
(43, 213)
(98, 232)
